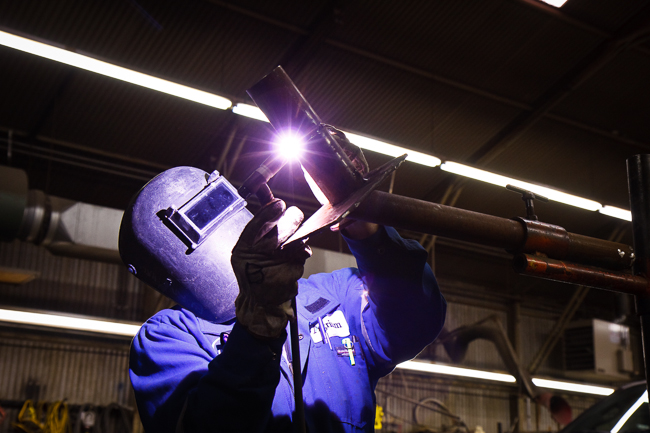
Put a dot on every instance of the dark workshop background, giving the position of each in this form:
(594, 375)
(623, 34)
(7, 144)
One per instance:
(557, 97)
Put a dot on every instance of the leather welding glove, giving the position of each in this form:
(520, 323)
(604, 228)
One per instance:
(351, 150)
(267, 274)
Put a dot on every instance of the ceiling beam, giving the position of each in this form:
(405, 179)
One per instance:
(633, 31)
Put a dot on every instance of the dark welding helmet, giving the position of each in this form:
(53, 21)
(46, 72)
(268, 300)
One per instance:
(177, 236)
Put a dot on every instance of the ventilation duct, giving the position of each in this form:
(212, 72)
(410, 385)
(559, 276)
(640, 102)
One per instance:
(64, 227)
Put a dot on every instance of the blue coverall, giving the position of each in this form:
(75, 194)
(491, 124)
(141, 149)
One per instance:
(222, 379)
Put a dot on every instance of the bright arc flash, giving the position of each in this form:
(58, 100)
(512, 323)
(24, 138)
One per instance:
(290, 145)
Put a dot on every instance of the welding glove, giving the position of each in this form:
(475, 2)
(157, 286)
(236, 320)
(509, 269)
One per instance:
(352, 151)
(268, 274)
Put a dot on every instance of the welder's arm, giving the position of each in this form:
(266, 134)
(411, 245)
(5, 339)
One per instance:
(406, 310)
(236, 394)
(180, 387)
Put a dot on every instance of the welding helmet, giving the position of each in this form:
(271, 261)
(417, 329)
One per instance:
(177, 236)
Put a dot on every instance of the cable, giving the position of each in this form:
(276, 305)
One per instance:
(58, 418)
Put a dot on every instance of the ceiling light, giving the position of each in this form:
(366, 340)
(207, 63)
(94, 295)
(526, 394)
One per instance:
(251, 111)
(392, 150)
(556, 3)
(154, 83)
(429, 367)
(499, 180)
(616, 212)
(110, 70)
(68, 322)
(570, 386)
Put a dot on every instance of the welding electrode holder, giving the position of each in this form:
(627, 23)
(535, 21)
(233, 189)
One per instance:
(257, 182)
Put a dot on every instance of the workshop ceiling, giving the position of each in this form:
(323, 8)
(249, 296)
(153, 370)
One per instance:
(558, 97)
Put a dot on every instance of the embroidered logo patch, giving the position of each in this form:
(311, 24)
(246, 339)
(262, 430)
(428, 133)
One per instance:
(335, 325)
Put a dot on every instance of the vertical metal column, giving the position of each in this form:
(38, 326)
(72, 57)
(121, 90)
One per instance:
(638, 177)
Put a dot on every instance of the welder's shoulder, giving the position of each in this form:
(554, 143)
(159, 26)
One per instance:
(336, 285)
(173, 320)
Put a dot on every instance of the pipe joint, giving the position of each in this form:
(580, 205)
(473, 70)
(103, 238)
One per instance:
(544, 238)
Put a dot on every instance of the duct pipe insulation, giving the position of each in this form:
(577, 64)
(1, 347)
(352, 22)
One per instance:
(64, 227)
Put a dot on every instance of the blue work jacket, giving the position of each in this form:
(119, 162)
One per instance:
(354, 324)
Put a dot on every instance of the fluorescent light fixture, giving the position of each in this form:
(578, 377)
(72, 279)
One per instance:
(110, 70)
(621, 422)
(575, 387)
(216, 101)
(495, 179)
(251, 111)
(392, 150)
(68, 322)
(616, 212)
(428, 367)
(556, 3)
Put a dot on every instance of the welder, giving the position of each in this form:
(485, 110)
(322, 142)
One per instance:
(220, 360)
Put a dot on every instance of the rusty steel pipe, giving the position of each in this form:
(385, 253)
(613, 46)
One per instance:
(557, 270)
(436, 219)
(556, 242)
(515, 236)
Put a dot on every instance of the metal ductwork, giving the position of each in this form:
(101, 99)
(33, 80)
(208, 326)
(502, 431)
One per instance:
(64, 227)
(456, 343)
(82, 230)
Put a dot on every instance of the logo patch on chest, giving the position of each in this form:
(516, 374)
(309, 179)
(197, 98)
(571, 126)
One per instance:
(334, 324)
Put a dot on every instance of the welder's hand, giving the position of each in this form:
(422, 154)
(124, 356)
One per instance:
(352, 151)
(350, 227)
(267, 274)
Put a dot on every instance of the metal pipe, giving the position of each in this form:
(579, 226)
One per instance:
(515, 236)
(558, 270)
(299, 417)
(457, 341)
(638, 178)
